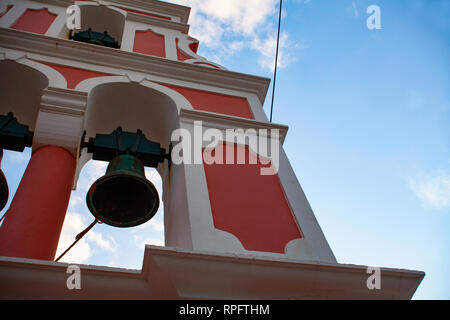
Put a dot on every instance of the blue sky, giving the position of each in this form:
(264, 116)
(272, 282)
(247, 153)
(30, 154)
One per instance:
(369, 128)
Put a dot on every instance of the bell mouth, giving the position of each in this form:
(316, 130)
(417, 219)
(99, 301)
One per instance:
(123, 200)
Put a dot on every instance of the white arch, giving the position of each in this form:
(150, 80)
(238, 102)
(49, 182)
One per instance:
(180, 101)
(55, 79)
(100, 4)
(88, 84)
(115, 23)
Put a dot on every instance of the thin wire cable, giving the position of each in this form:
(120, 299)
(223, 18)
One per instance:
(78, 238)
(276, 60)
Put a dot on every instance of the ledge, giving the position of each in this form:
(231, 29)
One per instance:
(170, 273)
(183, 28)
(31, 43)
(161, 7)
(223, 122)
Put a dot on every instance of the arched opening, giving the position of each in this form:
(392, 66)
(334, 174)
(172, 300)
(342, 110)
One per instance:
(99, 19)
(105, 245)
(131, 106)
(21, 90)
(13, 166)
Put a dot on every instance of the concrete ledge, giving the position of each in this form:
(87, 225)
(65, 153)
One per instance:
(170, 273)
(41, 47)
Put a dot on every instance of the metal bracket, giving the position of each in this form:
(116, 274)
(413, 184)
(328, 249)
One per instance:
(13, 135)
(105, 147)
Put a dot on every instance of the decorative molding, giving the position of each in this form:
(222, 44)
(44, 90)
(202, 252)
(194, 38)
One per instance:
(60, 119)
(155, 6)
(152, 21)
(160, 7)
(160, 278)
(223, 122)
(14, 55)
(61, 3)
(112, 58)
(64, 101)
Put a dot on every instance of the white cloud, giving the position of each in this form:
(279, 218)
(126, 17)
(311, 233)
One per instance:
(91, 172)
(354, 8)
(153, 175)
(156, 224)
(226, 27)
(432, 189)
(74, 202)
(97, 239)
(267, 49)
(15, 157)
(80, 253)
(233, 15)
(84, 248)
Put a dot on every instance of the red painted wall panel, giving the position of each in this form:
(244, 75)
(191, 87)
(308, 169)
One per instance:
(215, 102)
(248, 205)
(150, 43)
(194, 46)
(37, 21)
(74, 75)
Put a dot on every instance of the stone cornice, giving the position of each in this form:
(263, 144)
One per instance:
(142, 18)
(223, 122)
(157, 6)
(62, 3)
(165, 8)
(182, 27)
(113, 58)
(216, 276)
(60, 119)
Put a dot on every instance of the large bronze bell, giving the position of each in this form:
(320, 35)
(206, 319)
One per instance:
(123, 197)
(4, 190)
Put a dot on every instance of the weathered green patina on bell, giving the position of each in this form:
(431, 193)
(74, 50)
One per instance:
(123, 197)
(13, 136)
(93, 37)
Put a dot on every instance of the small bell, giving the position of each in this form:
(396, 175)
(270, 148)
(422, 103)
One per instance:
(123, 197)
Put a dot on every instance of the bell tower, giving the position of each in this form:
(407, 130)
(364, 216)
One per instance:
(237, 223)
